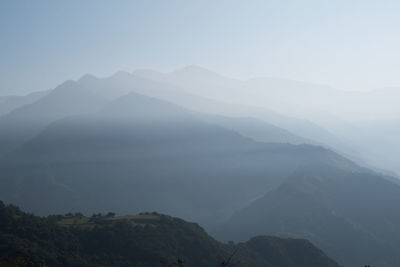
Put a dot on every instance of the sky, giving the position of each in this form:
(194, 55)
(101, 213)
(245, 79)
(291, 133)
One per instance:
(349, 45)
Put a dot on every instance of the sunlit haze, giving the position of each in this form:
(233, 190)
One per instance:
(200, 133)
(350, 45)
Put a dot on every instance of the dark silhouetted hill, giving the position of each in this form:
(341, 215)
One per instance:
(147, 239)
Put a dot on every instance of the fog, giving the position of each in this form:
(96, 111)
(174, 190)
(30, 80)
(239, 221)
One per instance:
(269, 118)
(362, 125)
(212, 149)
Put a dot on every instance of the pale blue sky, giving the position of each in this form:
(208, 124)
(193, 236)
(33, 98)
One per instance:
(345, 44)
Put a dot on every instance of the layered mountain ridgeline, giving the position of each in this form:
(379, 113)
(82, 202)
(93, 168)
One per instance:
(147, 239)
(352, 216)
(9, 103)
(205, 91)
(141, 153)
(79, 149)
(307, 118)
(23, 123)
(123, 83)
(90, 94)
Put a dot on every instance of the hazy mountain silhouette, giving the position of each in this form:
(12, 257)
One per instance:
(311, 111)
(256, 129)
(315, 112)
(9, 103)
(229, 97)
(149, 83)
(196, 80)
(155, 84)
(153, 141)
(149, 154)
(22, 124)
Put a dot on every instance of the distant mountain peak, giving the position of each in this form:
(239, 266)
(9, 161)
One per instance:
(194, 67)
(87, 78)
(146, 71)
(122, 74)
(134, 105)
(195, 70)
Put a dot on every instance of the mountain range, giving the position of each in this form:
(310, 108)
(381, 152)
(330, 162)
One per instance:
(171, 143)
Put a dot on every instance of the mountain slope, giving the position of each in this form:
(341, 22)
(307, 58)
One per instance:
(143, 240)
(193, 95)
(256, 129)
(350, 215)
(25, 122)
(262, 99)
(153, 155)
(9, 103)
(123, 83)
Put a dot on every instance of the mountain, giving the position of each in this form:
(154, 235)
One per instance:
(122, 83)
(192, 95)
(198, 81)
(22, 124)
(378, 140)
(256, 129)
(310, 110)
(9, 103)
(97, 145)
(147, 239)
(315, 112)
(149, 154)
(280, 94)
(285, 96)
(326, 115)
(350, 215)
(274, 101)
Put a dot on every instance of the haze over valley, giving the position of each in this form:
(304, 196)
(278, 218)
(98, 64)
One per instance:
(161, 138)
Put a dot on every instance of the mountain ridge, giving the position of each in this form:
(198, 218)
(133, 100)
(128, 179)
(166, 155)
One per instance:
(147, 239)
(333, 209)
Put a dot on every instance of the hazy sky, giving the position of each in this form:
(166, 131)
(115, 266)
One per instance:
(345, 44)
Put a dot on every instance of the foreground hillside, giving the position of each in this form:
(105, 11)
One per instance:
(147, 239)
